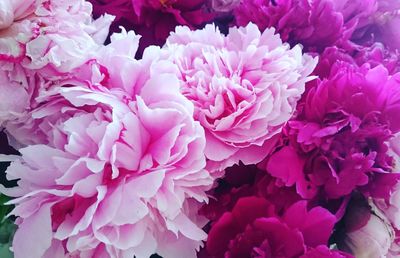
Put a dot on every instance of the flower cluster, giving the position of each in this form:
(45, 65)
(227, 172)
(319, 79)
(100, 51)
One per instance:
(206, 128)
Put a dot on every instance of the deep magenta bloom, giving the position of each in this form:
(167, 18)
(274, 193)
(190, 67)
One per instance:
(319, 24)
(382, 25)
(314, 24)
(154, 19)
(253, 229)
(339, 139)
(243, 181)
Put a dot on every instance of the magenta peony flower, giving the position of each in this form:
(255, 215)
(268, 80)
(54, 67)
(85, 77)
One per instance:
(377, 54)
(314, 24)
(374, 55)
(154, 19)
(244, 181)
(382, 25)
(244, 87)
(121, 9)
(339, 139)
(124, 178)
(253, 229)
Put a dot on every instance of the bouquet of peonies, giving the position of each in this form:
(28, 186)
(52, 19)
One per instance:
(200, 128)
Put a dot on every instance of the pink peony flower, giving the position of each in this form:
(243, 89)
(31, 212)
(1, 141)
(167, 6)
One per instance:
(368, 232)
(244, 87)
(125, 175)
(45, 43)
(391, 208)
(323, 251)
(113, 67)
(253, 229)
(56, 33)
(339, 139)
(394, 151)
(389, 202)
(394, 250)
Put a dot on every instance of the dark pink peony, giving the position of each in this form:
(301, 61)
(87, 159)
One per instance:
(314, 24)
(121, 9)
(244, 181)
(253, 229)
(154, 19)
(339, 139)
(375, 55)
(382, 25)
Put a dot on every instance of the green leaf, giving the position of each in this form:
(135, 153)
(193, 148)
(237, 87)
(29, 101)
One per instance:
(4, 209)
(7, 230)
(5, 251)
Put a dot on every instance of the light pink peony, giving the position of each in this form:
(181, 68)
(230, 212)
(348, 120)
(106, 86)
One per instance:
(390, 206)
(41, 43)
(38, 114)
(57, 33)
(394, 150)
(244, 87)
(391, 209)
(127, 180)
(368, 232)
